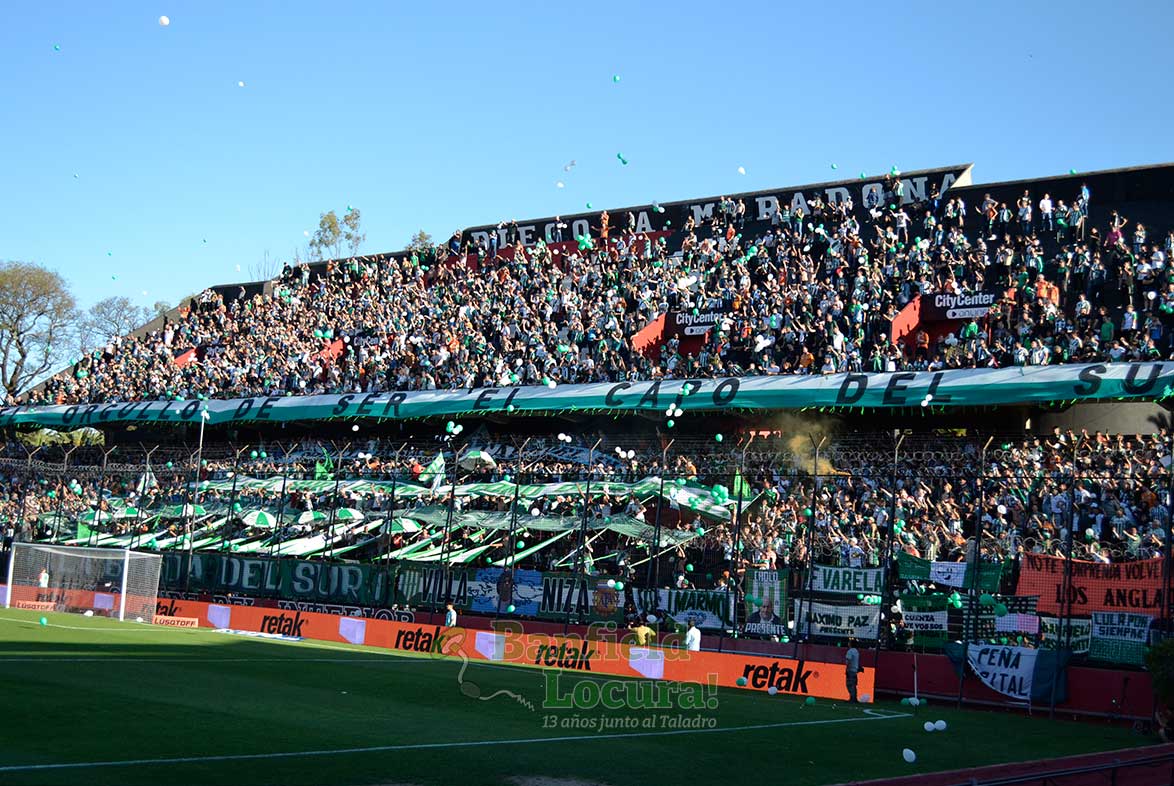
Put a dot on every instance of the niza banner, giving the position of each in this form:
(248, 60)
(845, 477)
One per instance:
(824, 619)
(965, 387)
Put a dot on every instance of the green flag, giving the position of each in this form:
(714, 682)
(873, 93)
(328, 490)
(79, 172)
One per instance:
(434, 472)
(741, 489)
(324, 470)
(83, 531)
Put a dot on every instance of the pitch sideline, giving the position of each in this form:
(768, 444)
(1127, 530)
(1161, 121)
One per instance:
(872, 715)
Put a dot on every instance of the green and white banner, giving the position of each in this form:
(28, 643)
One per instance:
(963, 387)
(847, 581)
(1053, 631)
(1119, 638)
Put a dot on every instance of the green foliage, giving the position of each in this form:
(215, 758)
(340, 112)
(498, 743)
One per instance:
(1160, 662)
(421, 241)
(36, 311)
(351, 230)
(328, 237)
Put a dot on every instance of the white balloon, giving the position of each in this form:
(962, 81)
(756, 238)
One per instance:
(88, 613)
(772, 690)
(651, 617)
(741, 170)
(1002, 510)
(866, 698)
(914, 702)
(240, 84)
(928, 726)
(939, 725)
(908, 755)
(164, 21)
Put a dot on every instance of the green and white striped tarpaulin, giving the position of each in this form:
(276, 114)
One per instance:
(962, 387)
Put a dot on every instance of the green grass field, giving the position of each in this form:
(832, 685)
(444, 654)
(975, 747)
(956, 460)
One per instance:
(135, 704)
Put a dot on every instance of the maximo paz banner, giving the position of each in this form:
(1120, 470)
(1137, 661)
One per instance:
(965, 387)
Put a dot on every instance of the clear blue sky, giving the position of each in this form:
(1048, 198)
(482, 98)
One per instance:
(445, 115)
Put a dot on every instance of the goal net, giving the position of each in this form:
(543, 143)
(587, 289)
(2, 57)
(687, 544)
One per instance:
(116, 583)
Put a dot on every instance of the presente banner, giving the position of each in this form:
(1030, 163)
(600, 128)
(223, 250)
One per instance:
(847, 581)
(1119, 637)
(824, 619)
(958, 388)
(1054, 635)
(1117, 586)
(767, 618)
(1008, 670)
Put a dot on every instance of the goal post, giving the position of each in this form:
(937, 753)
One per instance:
(117, 583)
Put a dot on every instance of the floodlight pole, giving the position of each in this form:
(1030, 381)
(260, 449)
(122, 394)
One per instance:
(232, 497)
(101, 484)
(811, 540)
(452, 502)
(280, 507)
(582, 569)
(741, 472)
(334, 501)
(972, 623)
(653, 566)
(389, 521)
(195, 495)
(511, 561)
(887, 553)
(1064, 633)
(61, 496)
(28, 471)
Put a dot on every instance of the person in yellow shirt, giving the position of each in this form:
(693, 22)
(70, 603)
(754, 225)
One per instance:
(644, 634)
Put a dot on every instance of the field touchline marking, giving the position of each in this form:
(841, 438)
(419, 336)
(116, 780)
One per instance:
(438, 745)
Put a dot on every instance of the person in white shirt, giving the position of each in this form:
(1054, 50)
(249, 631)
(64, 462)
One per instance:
(450, 616)
(693, 638)
(1045, 213)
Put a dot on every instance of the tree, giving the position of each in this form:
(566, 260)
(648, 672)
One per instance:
(114, 316)
(36, 310)
(160, 308)
(328, 237)
(420, 241)
(354, 238)
(265, 270)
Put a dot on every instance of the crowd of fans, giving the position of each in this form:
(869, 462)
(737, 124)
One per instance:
(813, 292)
(1111, 493)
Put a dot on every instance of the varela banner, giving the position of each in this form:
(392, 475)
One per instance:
(957, 388)
(1095, 586)
(847, 581)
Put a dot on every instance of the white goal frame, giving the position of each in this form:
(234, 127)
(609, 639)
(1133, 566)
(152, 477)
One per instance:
(83, 594)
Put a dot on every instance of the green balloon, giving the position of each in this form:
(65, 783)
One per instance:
(44, 621)
(1000, 610)
(718, 437)
(689, 567)
(521, 544)
(619, 585)
(511, 608)
(253, 454)
(809, 700)
(740, 682)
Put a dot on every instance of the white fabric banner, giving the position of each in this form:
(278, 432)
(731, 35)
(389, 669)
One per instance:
(1008, 670)
(824, 619)
(925, 621)
(952, 574)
